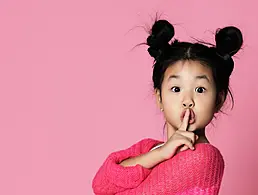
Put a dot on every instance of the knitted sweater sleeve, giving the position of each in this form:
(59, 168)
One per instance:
(196, 172)
(112, 178)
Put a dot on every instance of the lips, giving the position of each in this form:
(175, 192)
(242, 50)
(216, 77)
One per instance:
(191, 117)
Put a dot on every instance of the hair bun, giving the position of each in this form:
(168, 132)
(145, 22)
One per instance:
(161, 33)
(228, 41)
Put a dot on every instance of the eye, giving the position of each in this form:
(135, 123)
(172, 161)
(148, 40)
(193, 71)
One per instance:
(200, 89)
(175, 89)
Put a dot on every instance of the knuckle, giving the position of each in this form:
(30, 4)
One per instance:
(177, 134)
(190, 140)
(193, 137)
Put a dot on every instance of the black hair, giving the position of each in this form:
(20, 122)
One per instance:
(218, 57)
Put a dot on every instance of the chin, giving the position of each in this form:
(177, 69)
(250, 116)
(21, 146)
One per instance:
(193, 127)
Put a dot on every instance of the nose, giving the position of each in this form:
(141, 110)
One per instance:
(188, 103)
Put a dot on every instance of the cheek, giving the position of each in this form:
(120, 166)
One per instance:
(170, 98)
(206, 111)
(207, 99)
(206, 105)
(206, 102)
(173, 109)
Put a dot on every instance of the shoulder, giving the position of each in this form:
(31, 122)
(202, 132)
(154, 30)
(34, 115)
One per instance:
(209, 152)
(203, 167)
(203, 151)
(204, 157)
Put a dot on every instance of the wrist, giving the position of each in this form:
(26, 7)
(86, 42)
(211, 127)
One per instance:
(162, 152)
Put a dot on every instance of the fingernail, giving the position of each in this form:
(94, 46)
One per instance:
(193, 148)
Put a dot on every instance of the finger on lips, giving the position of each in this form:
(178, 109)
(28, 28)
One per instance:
(185, 120)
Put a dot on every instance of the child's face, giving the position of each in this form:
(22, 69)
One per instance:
(188, 84)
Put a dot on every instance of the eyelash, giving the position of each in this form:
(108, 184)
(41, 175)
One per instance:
(195, 89)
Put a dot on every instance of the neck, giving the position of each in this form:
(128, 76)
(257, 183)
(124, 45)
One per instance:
(201, 135)
(200, 132)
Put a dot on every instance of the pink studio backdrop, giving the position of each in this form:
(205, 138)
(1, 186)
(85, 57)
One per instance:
(72, 91)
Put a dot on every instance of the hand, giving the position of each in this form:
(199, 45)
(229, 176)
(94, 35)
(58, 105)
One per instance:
(181, 140)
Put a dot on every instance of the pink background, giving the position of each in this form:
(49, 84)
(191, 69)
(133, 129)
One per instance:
(72, 91)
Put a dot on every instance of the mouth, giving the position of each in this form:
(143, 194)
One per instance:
(191, 117)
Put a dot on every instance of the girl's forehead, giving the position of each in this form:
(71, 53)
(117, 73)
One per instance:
(188, 68)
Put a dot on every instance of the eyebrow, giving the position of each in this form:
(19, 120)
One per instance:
(197, 77)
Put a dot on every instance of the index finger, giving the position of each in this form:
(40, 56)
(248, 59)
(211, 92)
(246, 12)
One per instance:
(185, 120)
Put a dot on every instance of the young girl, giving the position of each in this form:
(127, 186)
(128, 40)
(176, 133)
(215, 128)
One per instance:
(191, 83)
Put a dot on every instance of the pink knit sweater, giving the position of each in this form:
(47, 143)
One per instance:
(187, 173)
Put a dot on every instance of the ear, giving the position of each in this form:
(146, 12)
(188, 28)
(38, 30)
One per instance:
(158, 99)
(222, 99)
